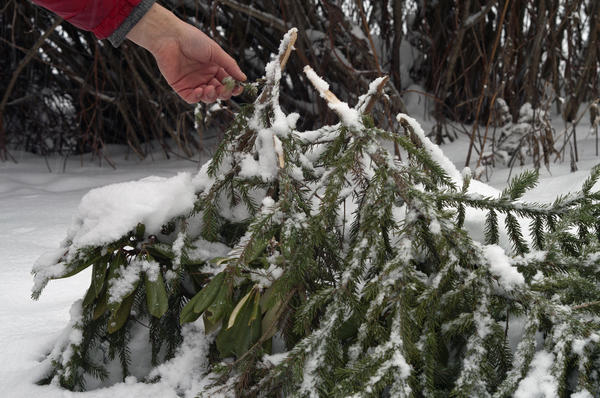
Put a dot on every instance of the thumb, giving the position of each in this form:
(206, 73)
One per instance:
(224, 60)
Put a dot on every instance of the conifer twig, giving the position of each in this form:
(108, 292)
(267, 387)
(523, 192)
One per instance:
(324, 92)
(280, 155)
(585, 305)
(283, 59)
(378, 156)
(376, 95)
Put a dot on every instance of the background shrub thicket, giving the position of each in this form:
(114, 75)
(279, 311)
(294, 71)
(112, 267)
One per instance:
(63, 91)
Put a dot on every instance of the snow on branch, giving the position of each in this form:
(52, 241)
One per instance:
(434, 151)
(350, 117)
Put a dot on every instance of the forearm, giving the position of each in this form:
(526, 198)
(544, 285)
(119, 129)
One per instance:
(104, 18)
(154, 26)
(136, 15)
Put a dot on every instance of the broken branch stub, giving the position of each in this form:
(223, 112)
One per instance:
(284, 54)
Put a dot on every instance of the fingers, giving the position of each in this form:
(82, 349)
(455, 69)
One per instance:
(224, 60)
(206, 94)
(221, 74)
(209, 93)
(212, 91)
(223, 92)
(197, 95)
(236, 90)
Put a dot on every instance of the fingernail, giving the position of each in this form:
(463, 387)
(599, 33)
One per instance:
(245, 77)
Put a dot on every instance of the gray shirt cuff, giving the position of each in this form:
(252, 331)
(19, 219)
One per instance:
(119, 35)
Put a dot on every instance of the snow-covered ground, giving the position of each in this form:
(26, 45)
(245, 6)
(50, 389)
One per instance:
(36, 208)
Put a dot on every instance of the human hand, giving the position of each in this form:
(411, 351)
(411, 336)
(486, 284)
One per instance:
(191, 62)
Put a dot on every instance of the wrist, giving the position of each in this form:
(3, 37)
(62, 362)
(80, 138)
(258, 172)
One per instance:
(156, 26)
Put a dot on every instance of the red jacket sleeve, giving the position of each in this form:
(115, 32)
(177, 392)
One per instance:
(99, 16)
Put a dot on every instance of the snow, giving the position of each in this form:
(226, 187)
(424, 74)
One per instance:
(264, 278)
(206, 250)
(320, 84)
(125, 282)
(434, 151)
(434, 227)
(36, 209)
(186, 371)
(582, 394)
(275, 359)
(106, 214)
(363, 99)
(350, 117)
(508, 276)
(539, 383)
(178, 249)
(71, 336)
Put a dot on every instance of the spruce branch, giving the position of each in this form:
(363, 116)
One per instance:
(356, 262)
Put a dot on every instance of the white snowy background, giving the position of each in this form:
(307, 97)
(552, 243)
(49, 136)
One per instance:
(38, 206)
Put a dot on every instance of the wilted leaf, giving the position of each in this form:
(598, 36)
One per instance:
(245, 330)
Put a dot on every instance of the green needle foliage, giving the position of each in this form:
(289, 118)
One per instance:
(356, 264)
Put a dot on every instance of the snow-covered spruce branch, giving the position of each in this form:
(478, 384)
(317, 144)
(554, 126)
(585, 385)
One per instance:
(317, 264)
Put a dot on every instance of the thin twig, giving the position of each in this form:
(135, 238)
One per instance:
(11, 84)
(586, 305)
(485, 80)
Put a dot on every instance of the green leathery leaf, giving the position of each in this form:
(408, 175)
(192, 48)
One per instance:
(255, 308)
(239, 307)
(97, 283)
(187, 313)
(160, 251)
(207, 295)
(79, 267)
(119, 317)
(102, 302)
(220, 306)
(209, 326)
(101, 305)
(98, 277)
(270, 318)
(90, 296)
(114, 306)
(118, 261)
(156, 296)
(245, 331)
(217, 311)
(202, 300)
(271, 295)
